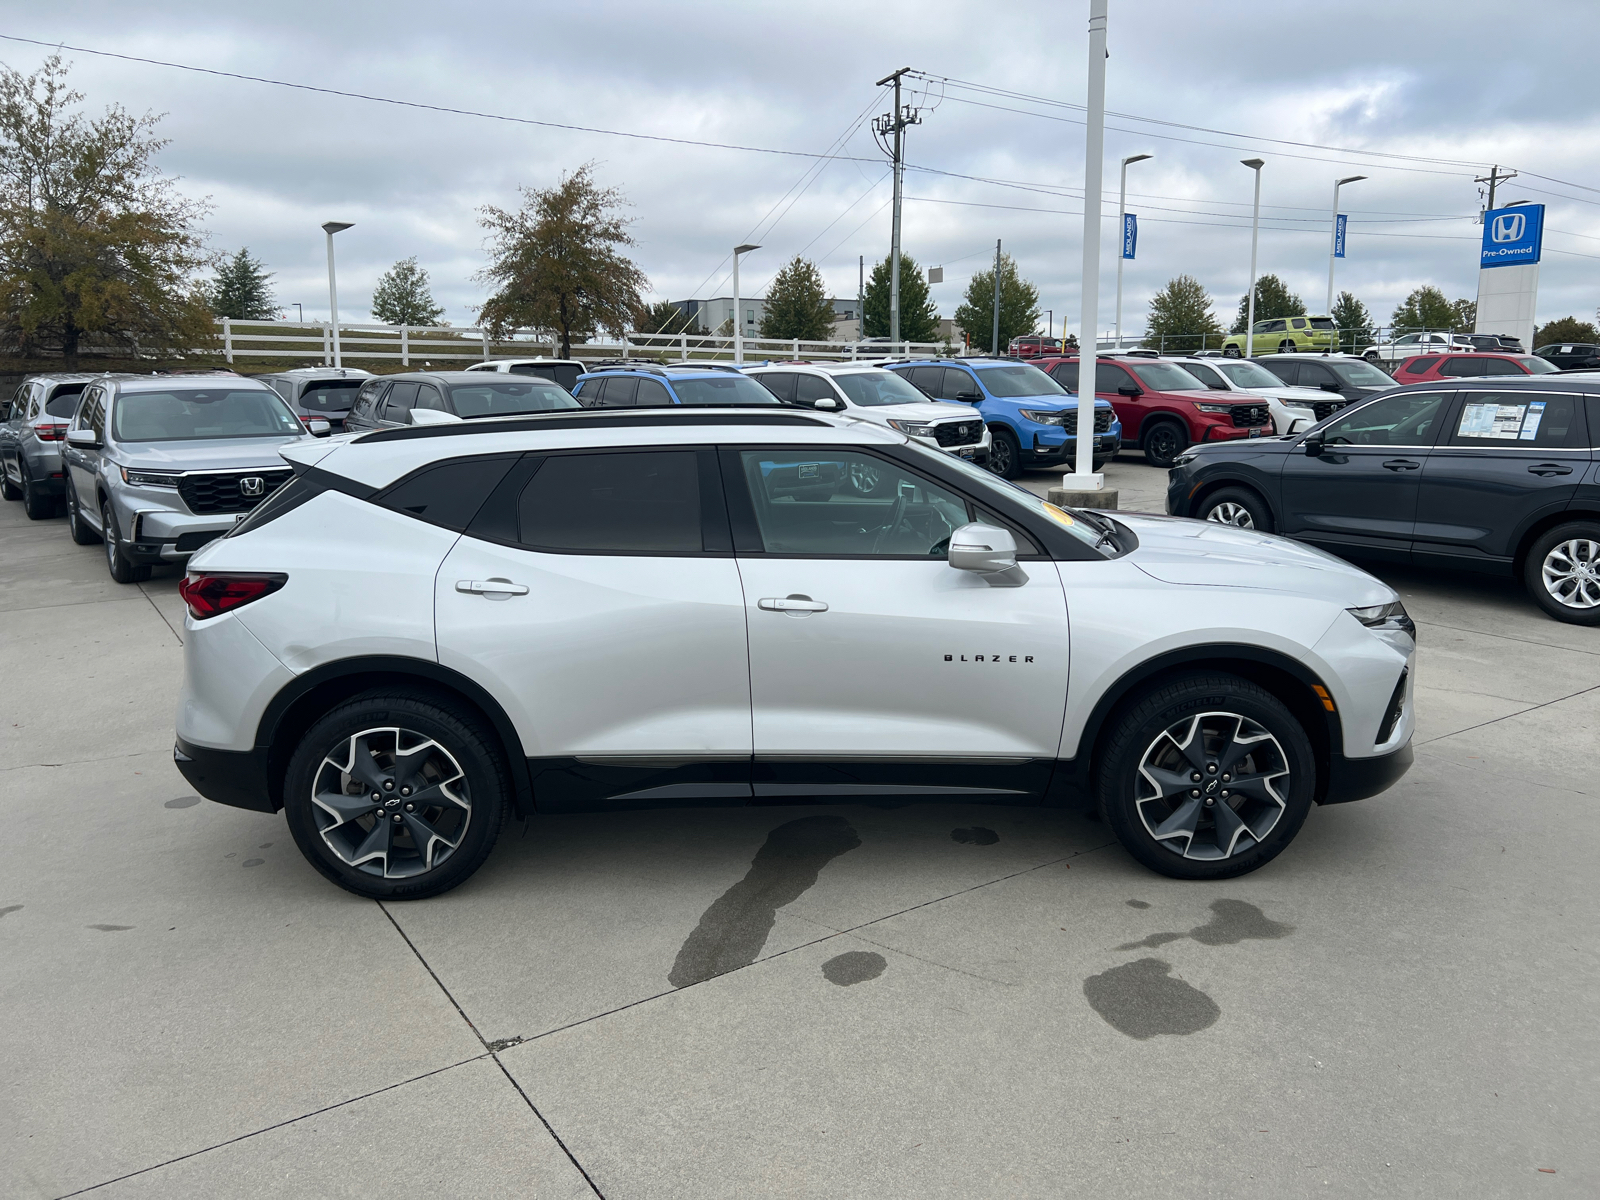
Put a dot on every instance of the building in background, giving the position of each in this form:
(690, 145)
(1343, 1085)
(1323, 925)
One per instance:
(711, 314)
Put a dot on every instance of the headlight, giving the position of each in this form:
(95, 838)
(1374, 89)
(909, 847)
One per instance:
(913, 428)
(1184, 459)
(149, 478)
(1049, 418)
(1385, 616)
(1215, 408)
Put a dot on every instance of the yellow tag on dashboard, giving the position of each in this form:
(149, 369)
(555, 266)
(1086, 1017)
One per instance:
(1059, 514)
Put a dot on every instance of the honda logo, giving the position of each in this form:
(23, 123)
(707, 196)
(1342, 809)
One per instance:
(1508, 227)
(252, 485)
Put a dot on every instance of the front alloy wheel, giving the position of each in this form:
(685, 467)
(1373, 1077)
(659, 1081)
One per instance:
(1212, 786)
(1231, 512)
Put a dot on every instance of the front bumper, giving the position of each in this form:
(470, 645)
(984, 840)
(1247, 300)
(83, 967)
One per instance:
(1049, 443)
(977, 451)
(153, 533)
(1357, 778)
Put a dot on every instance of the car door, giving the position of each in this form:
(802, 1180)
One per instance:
(875, 668)
(80, 464)
(1509, 459)
(596, 595)
(1359, 495)
(1109, 379)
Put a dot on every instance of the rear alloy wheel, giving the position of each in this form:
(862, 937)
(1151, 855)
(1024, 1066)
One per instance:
(1232, 352)
(1207, 777)
(76, 526)
(1562, 573)
(396, 795)
(1237, 506)
(123, 569)
(1163, 442)
(1286, 346)
(1372, 357)
(1005, 456)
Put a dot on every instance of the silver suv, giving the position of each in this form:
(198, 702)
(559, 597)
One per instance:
(159, 466)
(319, 393)
(33, 426)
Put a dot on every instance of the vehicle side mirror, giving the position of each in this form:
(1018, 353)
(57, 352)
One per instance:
(1313, 445)
(83, 439)
(1330, 387)
(988, 551)
(970, 397)
(318, 427)
(1128, 389)
(827, 404)
(432, 416)
(1218, 387)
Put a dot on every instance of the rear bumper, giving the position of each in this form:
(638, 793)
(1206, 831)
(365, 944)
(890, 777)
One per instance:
(1357, 778)
(233, 777)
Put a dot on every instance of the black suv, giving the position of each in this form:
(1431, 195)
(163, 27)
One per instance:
(429, 397)
(1571, 356)
(1501, 476)
(1343, 375)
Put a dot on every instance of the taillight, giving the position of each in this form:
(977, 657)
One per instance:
(50, 433)
(212, 595)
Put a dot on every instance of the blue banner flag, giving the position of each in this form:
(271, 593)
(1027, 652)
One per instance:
(1130, 234)
(1338, 235)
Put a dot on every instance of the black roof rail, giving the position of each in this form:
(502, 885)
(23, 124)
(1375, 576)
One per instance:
(598, 418)
(687, 364)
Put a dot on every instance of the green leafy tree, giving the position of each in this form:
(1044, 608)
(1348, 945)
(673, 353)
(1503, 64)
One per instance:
(664, 317)
(1464, 314)
(1181, 319)
(798, 304)
(1425, 308)
(1565, 329)
(242, 289)
(403, 297)
(1019, 306)
(919, 316)
(1354, 322)
(95, 243)
(556, 263)
(1273, 300)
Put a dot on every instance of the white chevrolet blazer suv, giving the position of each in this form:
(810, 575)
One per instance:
(429, 629)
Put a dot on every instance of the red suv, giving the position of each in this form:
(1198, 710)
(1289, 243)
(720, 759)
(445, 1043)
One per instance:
(1033, 346)
(1163, 408)
(1425, 367)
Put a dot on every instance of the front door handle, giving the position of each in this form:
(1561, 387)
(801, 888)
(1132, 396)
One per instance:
(1401, 464)
(491, 589)
(794, 603)
(1550, 469)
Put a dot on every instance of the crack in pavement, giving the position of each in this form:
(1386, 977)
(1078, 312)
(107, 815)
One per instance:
(160, 614)
(1508, 716)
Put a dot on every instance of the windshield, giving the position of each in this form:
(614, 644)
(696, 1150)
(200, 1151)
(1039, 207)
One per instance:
(1019, 380)
(986, 482)
(1165, 377)
(493, 398)
(1361, 374)
(181, 416)
(1248, 375)
(873, 388)
(723, 389)
(331, 395)
(1538, 366)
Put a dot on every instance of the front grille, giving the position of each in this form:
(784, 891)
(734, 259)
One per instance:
(1246, 416)
(1397, 709)
(1326, 408)
(1102, 420)
(219, 492)
(959, 433)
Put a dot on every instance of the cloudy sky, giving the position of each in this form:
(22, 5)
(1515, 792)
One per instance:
(1420, 97)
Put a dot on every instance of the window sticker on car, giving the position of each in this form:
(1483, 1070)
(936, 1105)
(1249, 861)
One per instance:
(1530, 423)
(809, 470)
(1491, 419)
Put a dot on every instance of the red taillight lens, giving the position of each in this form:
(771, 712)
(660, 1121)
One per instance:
(213, 595)
(50, 433)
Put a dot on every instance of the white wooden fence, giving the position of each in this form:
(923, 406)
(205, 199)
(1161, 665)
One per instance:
(406, 344)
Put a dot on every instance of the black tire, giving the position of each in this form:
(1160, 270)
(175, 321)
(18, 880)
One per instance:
(1241, 507)
(35, 503)
(1005, 455)
(1196, 845)
(123, 569)
(1286, 346)
(76, 526)
(1164, 440)
(1372, 357)
(461, 743)
(1232, 352)
(1100, 463)
(1562, 572)
(8, 490)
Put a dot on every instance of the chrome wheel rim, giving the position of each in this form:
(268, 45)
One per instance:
(390, 802)
(1230, 512)
(1212, 786)
(1571, 573)
(863, 477)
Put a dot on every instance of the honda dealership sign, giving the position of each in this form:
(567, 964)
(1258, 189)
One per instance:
(1512, 236)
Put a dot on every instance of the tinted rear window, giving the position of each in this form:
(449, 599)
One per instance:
(566, 374)
(449, 493)
(330, 395)
(640, 503)
(63, 401)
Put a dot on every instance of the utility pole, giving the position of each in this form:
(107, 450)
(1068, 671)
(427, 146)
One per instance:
(861, 297)
(1083, 478)
(994, 342)
(1255, 164)
(1495, 176)
(895, 123)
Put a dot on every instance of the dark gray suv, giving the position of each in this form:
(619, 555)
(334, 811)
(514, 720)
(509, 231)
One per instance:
(389, 401)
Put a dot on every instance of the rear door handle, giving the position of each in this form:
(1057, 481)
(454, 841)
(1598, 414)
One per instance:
(1401, 464)
(491, 589)
(1550, 469)
(794, 603)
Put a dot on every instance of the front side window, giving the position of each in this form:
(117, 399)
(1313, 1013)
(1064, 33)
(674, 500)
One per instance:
(186, 415)
(1108, 377)
(873, 389)
(1314, 375)
(1166, 377)
(641, 502)
(1022, 379)
(428, 397)
(779, 383)
(1405, 420)
(723, 389)
(1519, 419)
(398, 403)
(848, 504)
(496, 397)
(810, 388)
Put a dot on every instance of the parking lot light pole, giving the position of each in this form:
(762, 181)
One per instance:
(1333, 234)
(1255, 164)
(331, 228)
(738, 314)
(1083, 477)
(1122, 232)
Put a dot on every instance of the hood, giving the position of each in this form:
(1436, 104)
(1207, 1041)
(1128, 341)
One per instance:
(1204, 554)
(208, 454)
(929, 410)
(1294, 395)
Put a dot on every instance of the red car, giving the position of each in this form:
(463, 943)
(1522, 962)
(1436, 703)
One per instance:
(1033, 346)
(1163, 408)
(1425, 367)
